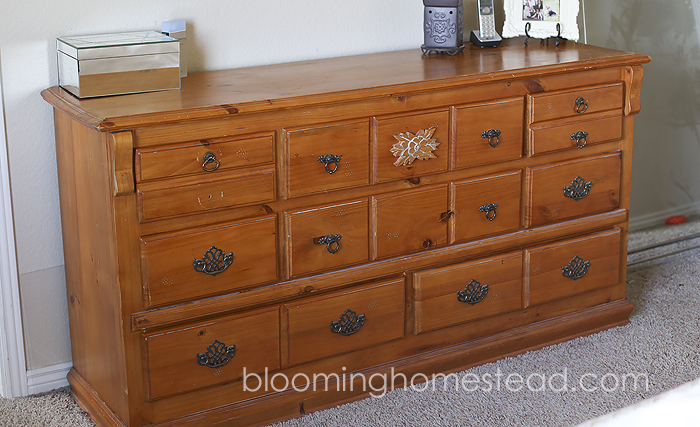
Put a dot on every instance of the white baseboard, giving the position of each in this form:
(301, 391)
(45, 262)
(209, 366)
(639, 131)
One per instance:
(658, 218)
(47, 379)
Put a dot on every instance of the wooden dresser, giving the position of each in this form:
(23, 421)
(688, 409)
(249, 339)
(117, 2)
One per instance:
(350, 215)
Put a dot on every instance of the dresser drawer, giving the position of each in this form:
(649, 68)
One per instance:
(171, 273)
(203, 157)
(177, 196)
(575, 102)
(551, 137)
(411, 221)
(463, 292)
(489, 133)
(327, 237)
(412, 145)
(327, 158)
(214, 352)
(568, 268)
(345, 321)
(487, 206)
(573, 189)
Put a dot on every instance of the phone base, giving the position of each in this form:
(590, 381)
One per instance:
(476, 39)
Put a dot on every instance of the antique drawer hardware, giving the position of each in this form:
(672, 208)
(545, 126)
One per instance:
(490, 210)
(491, 134)
(213, 262)
(411, 147)
(210, 159)
(332, 242)
(348, 324)
(580, 138)
(576, 269)
(581, 105)
(217, 355)
(473, 293)
(330, 160)
(579, 189)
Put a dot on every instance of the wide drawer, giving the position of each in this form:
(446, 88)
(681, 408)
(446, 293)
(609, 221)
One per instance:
(203, 157)
(489, 133)
(327, 158)
(206, 261)
(549, 138)
(463, 292)
(214, 352)
(345, 321)
(327, 237)
(568, 268)
(575, 102)
(572, 189)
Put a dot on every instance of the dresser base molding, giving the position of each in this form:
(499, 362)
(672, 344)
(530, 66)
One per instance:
(89, 400)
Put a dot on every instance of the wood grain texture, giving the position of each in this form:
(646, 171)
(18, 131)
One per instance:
(563, 104)
(558, 135)
(633, 87)
(122, 146)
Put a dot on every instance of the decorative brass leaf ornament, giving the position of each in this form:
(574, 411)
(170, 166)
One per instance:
(411, 147)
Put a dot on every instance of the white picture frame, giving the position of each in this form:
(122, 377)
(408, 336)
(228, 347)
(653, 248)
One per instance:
(543, 17)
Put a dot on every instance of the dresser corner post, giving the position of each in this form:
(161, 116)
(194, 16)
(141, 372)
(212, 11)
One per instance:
(633, 85)
(121, 147)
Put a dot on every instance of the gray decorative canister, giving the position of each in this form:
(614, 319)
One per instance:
(443, 26)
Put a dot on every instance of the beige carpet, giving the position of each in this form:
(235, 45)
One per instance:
(662, 341)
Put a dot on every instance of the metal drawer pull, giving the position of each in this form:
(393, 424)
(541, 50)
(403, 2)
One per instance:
(578, 137)
(213, 262)
(490, 210)
(328, 160)
(348, 324)
(491, 134)
(473, 293)
(217, 355)
(332, 242)
(579, 189)
(581, 105)
(576, 269)
(210, 158)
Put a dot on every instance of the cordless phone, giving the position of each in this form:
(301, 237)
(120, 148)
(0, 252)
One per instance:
(487, 35)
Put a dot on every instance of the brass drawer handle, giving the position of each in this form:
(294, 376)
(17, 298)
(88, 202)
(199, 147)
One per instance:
(213, 262)
(348, 324)
(578, 189)
(491, 134)
(576, 269)
(332, 242)
(328, 160)
(210, 158)
(490, 210)
(578, 137)
(473, 293)
(581, 105)
(217, 355)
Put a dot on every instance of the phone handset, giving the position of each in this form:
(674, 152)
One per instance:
(487, 35)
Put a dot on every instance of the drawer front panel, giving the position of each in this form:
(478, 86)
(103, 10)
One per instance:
(411, 221)
(226, 191)
(170, 273)
(557, 105)
(568, 268)
(184, 359)
(579, 134)
(204, 157)
(469, 291)
(378, 317)
(574, 189)
(412, 146)
(489, 133)
(328, 237)
(328, 158)
(487, 206)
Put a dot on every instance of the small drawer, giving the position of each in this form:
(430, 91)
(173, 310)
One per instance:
(172, 271)
(579, 134)
(182, 196)
(487, 206)
(345, 321)
(576, 102)
(412, 146)
(411, 221)
(489, 133)
(574, 189)
(214, 352)
(203, 157)
(464, 292)
(327, 237)
(327, 158)
(568, 268)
